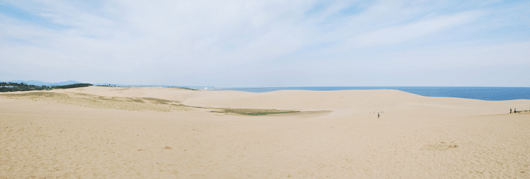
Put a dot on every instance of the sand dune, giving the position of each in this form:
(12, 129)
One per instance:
(99, 132)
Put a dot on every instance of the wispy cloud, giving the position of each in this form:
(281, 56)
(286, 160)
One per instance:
(260, 43)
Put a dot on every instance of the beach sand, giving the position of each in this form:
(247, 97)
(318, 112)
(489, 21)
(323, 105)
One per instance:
(148, 132)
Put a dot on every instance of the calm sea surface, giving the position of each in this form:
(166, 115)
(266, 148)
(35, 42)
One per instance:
(482, 93)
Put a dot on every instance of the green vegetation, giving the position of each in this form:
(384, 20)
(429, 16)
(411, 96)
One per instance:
(33, 94)
(141, 103)
(11, 87)
(77, 85)
(187, 88)
(254, 112)
(158, 101)
(95, 101)
(136, 100)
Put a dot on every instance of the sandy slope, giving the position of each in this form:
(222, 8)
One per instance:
(416, 137)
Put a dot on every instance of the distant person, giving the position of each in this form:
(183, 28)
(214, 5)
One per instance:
(510, 110)
(514, 110)
(377, 115)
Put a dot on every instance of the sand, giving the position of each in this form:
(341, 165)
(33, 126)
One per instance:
(89, 134)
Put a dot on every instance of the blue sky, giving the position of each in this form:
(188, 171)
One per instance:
(267, 43)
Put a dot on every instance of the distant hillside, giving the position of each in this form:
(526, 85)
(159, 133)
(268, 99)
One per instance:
(70, 82)
(10, 86)
(41, 83)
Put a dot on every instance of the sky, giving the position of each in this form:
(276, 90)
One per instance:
(272, 43)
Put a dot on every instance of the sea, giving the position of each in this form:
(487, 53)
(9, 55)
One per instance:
(480, 93)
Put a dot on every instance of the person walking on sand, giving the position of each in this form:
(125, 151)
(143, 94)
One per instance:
(510, 110)
(514, 110)
(378, 115)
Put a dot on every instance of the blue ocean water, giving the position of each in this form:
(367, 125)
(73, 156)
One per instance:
(481, 93)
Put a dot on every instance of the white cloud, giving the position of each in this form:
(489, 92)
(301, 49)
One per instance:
(395, 35)
(232, 43)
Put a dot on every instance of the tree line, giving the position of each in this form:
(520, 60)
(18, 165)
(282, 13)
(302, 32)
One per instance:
(10, 86)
